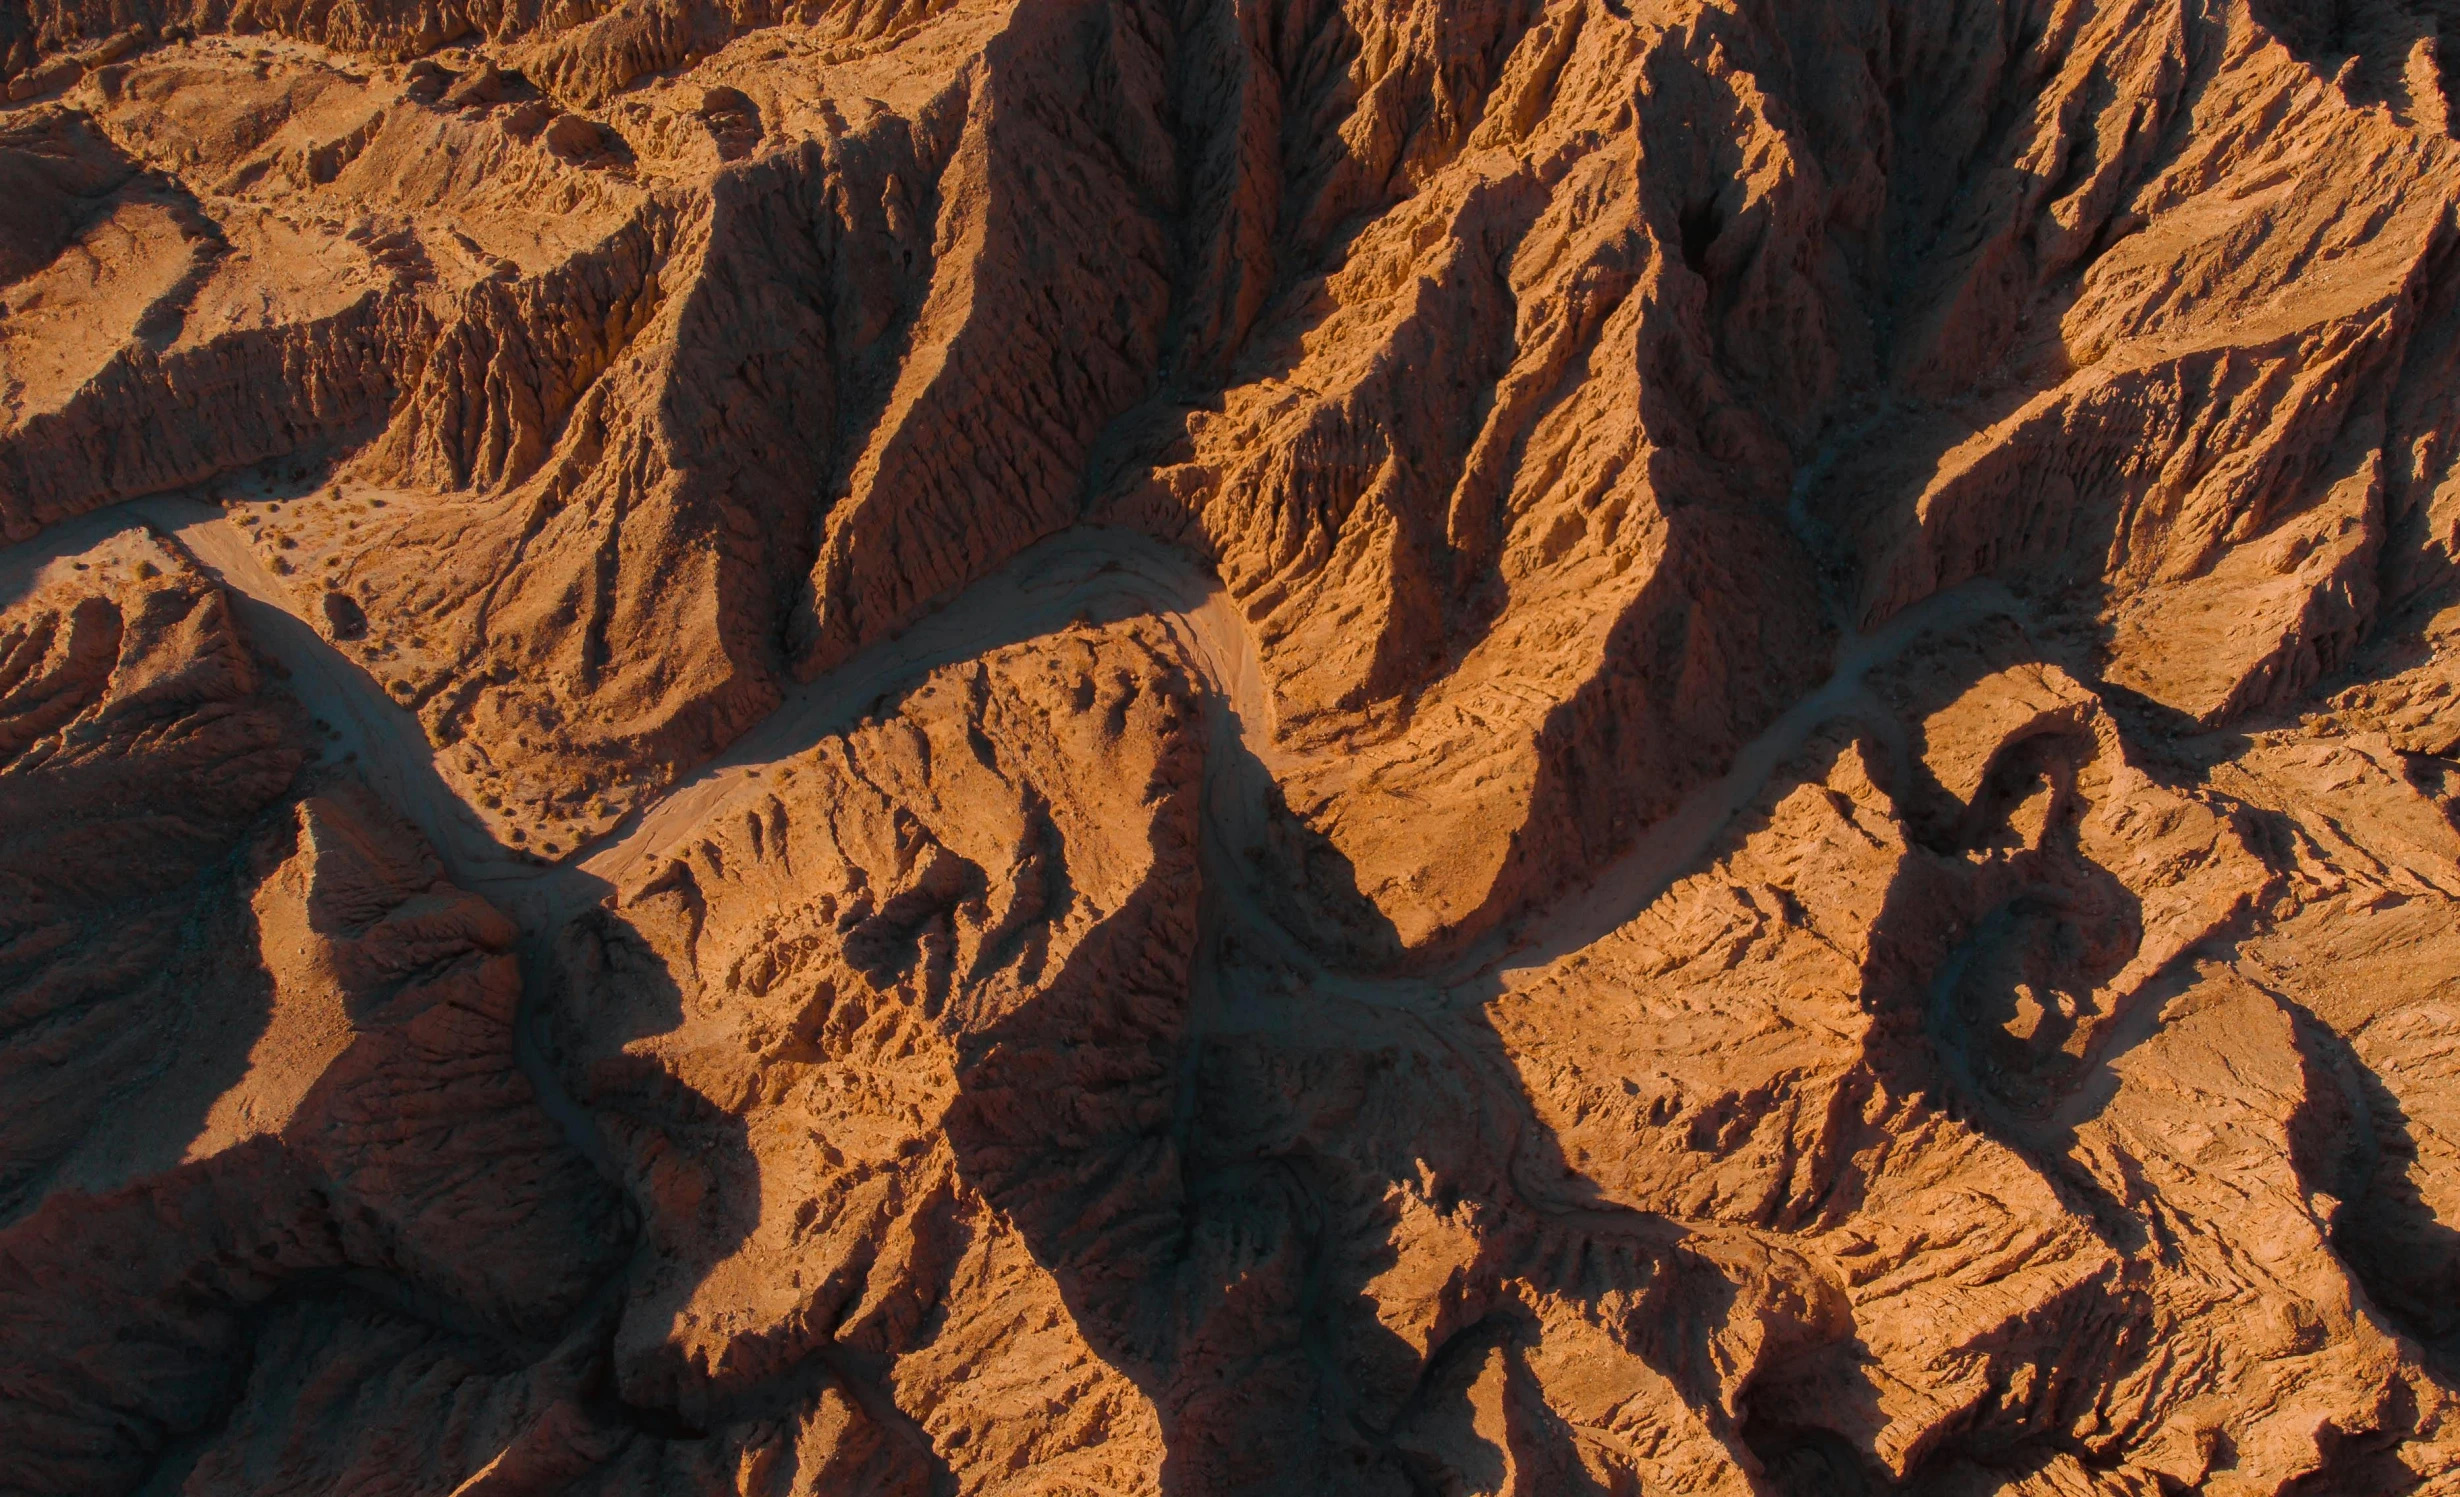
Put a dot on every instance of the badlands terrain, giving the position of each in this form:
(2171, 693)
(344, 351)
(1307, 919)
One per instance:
(1038, 747)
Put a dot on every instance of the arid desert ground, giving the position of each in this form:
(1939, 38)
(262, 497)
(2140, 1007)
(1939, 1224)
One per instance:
(1230, 748)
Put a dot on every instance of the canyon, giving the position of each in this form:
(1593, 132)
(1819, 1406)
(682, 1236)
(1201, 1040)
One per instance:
(1229, 747)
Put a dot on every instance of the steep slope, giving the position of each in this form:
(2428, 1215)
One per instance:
(258, 1057)
(1325, 745)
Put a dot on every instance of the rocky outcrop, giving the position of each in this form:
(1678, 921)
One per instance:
(955, 944)
(259, 1067)
(1434, 746)
(142, 748)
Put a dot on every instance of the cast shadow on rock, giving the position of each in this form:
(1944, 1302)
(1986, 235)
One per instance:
(354, 1198)
(697, 1191)
(2364, 43)
(2404, 1256)
(1217, 1230)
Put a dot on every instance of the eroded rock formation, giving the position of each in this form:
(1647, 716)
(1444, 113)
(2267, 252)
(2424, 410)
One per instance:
(1466, 746)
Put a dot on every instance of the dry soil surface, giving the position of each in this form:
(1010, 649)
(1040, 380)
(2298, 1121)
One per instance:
(1034, 747)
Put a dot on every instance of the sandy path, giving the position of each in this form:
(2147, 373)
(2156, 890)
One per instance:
(1087, 573)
